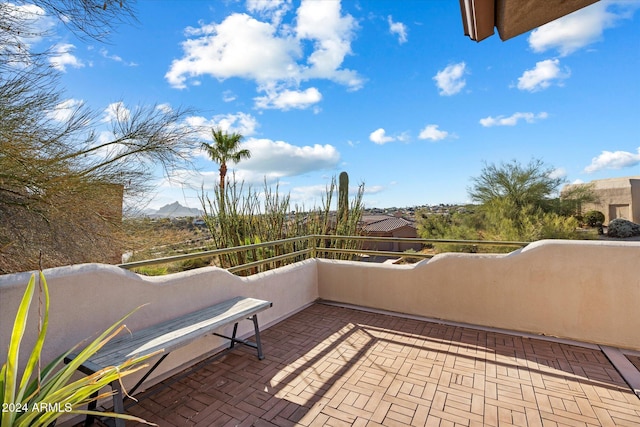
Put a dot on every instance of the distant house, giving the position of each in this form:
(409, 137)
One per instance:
(618, 198)
(388, 226)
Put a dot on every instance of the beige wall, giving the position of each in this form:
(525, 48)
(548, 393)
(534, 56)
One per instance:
(86, 299)
(583, 290)
(618, 197)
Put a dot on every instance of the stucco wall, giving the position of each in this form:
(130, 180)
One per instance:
(614, 192)
(86, 299)
(583, 290)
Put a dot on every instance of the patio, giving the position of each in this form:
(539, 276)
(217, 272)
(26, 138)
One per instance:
(337, 366)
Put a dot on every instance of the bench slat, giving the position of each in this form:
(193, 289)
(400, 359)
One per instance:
(178, 332)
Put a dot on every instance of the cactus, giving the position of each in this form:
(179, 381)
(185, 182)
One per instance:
(343, 198)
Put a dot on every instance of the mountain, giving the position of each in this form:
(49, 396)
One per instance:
(174, 210)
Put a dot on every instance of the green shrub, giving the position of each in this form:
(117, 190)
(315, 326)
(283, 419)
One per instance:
(152, 270)
(190, 264)
(593, 218)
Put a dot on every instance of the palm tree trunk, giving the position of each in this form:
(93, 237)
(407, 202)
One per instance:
(223, 175)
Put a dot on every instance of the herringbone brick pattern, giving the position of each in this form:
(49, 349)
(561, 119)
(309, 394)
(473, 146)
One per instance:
(333, 366)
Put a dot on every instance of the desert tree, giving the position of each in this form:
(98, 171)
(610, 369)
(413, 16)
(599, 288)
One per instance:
(522, 185)
(63, 171)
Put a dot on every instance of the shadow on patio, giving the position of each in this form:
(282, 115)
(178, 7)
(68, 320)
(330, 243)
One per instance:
(330, 365)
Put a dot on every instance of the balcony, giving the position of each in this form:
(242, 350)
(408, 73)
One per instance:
(545, 335)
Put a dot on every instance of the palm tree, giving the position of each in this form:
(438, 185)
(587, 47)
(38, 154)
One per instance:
(226, 147)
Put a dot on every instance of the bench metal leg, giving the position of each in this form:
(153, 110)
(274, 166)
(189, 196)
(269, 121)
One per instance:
(118, 402)
(143, 379)
(92, 407)
(257, 345)
(233, 337)
(257, 333)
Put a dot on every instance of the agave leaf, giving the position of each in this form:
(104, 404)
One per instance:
(11, 370)
(37, 349)
(65, 373)
(3, 371)
(35, 385)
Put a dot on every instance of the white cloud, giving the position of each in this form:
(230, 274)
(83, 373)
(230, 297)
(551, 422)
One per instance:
(61, 57)
(116, 111)
(242, 123)
(288, 99)
(270, 53)
(240, 46)
(165, 108)
(581, 28)
(543, 75)
(398, 28)
(271, 9)
(228, 96)
(33, 20)
(331, 32)
(276, 159)
(613, 160)
(513, 119)
(431, 132)
(105, 54)
(380, 137)
(64, 110)
(558, 173)
(451, 80)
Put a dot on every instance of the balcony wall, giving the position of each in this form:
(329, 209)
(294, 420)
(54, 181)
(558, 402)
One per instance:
(86, 299)
(586, 291)
(582, 290)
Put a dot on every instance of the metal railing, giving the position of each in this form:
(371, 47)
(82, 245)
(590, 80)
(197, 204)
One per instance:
(312, 246)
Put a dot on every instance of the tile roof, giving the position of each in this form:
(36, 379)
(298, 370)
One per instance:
(387, 224)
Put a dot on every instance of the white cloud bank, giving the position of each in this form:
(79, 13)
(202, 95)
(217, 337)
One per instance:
(582, 28)
(450, 80)
(277, 159)
(513, 119)
(613, 160)
(544, 74)
(271, 53)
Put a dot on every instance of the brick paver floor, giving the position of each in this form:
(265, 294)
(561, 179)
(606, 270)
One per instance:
(335, 366)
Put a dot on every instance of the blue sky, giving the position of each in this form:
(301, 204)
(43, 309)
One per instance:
(390, 91)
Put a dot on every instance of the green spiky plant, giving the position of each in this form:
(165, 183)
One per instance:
(249, 217)
(42, 396)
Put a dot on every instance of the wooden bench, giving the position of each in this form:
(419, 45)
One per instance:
(168, 336)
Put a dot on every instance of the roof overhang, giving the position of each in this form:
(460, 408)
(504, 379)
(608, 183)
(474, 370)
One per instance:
(513, 17)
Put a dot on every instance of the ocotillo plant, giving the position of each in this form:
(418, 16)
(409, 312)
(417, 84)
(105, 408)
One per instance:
(244, 221)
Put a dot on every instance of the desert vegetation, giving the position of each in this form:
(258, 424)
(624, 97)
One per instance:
(243, 216)
(514, 202)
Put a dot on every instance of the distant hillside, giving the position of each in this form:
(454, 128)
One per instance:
(173, 210)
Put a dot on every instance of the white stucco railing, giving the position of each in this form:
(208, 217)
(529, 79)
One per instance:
(586, 291)
(581, 290)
